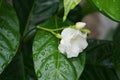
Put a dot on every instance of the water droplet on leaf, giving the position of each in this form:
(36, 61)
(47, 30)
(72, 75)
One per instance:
(4, 65)
(43, 60)
(46, 67)
(39, 74)
(35, 56)
(43, 53)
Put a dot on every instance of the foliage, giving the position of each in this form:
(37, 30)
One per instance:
(99, 61)
(9, 34)
(49, 62)
(27, 53)
(109, 7)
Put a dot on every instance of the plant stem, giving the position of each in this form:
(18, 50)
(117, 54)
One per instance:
(46, 29)
(58, 29)
(51, 31)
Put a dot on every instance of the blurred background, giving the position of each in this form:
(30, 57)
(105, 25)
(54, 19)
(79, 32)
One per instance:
(101, 26)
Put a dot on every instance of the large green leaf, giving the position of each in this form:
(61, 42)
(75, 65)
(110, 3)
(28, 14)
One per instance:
(50, 64)
(110, 7)
(99, 64)
(69, 5)
(21, 66)
(116, 54)
(33, 12)
(9, 34)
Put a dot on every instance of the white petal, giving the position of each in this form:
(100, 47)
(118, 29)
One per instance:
(67, 33)
(61, 48)
(73, 42)
(64, 44)
(78, 44)
(74, 52)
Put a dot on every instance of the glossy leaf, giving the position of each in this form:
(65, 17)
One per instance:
(21, 67)
(15, 69)
(9, 34)
(49, 62)
(69, 5)
(116, 54)
(32, 13)
(110, 7)
(99, 64)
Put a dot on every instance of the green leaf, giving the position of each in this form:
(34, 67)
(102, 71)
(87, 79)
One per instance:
(80, 11)
(49, 63)
(110, 7)
(9, 34)
(116, 54)
(69, 5)
(15, 69)
(32, 13)
(99, 64)
(21, 66)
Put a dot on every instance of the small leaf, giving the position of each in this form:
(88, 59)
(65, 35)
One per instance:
(9, 34)
(50, 64)
(69, 5)
(110, 7)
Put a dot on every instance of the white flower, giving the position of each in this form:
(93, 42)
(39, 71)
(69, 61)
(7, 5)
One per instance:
(73, 42)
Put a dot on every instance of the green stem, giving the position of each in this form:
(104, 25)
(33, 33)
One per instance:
(46, 29)
(58, 29)
(84, 30)
(51, 31)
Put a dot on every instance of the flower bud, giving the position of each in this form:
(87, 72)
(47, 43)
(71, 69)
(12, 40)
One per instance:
(80, 25)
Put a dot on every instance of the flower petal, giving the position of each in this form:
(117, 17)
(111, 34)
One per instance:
(73, 42)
